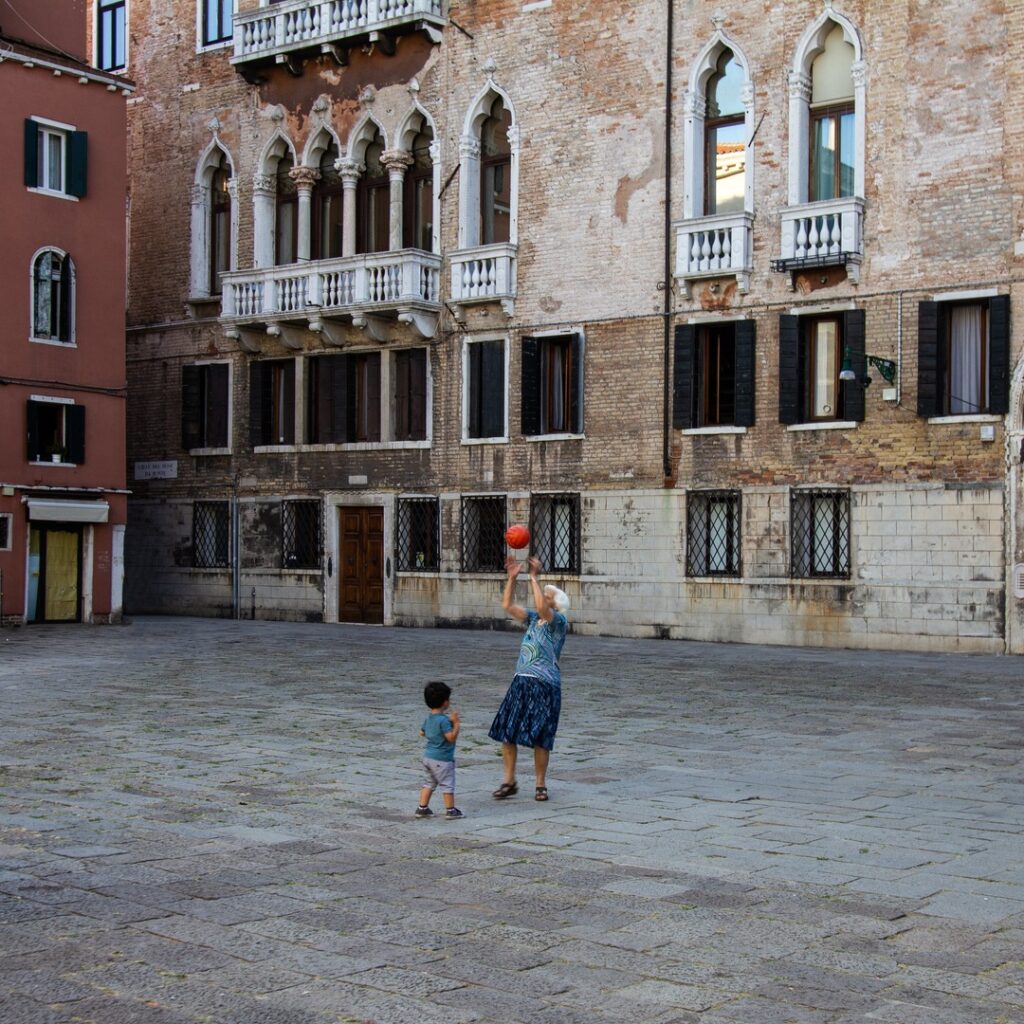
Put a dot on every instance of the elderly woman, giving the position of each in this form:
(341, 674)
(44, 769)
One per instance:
(528, 716)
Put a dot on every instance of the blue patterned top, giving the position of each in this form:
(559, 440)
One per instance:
(538, 654)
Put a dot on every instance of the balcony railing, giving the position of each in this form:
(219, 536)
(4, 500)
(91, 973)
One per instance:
(486, 273)
(370, 283)
(715, 247)
(822, 233)
(295, 25)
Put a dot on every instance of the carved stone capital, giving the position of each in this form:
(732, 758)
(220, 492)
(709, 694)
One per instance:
(695, 104)
(859, 73)
(396, 158)
(469, 148)
(264, 185)
(304, 177)
(350, 170)
(800, 86)
(514, 134)
(199, 195)
(747, 94)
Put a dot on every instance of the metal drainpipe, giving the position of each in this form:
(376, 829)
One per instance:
(666, 460)
(236, 581)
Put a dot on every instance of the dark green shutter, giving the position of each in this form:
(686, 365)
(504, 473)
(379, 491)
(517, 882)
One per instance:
(417, 382)
(530, 395)
(66, 299)
(78, 160)
(336, 388)
(32, 431)
(288, 412)
(258, 427)
(31, 153)
(474, 387)
(74, 433)
(576, 394)
(789, 369)
(400, 374)
(191, 407)
(746, 372)
(929, 359)
(373, 396)
(492, 370)
(217, 381)
(999, 355)
(853, 390)
(683, 377)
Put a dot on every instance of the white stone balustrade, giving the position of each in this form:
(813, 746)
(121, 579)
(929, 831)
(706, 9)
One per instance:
(484, 273)
(716, 246)
(304, 24)
(830, 228)
(382, 281)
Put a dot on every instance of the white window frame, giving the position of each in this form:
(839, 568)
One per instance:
(63, 131)
(202, 47)
(121, 68)
(53, 400)
(388, 403)
(467, 341)
(201, 286)
(32, 337)
(581, 380)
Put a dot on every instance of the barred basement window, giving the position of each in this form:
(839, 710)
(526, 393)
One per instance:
(300, 535)
(820, 533)
(555, 531)
(416, 542)
(210, 532)
(483, 534)
(713, 533)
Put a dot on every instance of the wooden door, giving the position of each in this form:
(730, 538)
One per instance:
(55, 568)
(361, 580)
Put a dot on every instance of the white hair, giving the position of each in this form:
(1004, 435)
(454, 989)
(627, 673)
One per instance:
(561, 598)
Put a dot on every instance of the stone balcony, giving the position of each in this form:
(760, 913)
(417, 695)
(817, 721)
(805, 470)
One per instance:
(286, 33)
(369, 291)
(822, 234)
(485, 273)
(718, 246)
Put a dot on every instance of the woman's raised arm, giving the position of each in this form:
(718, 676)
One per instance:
(513, 568)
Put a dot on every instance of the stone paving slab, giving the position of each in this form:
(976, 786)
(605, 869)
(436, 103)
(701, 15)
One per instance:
(208, 822)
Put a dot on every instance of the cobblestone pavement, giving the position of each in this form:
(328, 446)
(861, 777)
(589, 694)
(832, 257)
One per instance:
(212, 821)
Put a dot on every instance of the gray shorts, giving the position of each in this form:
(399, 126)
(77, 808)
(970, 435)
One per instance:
(438, 774)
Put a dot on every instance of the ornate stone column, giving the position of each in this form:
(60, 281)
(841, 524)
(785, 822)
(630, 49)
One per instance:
(469, 192)
(264, 192)
(305, 178)
(199, 256)
(350, 171)
(397, 161)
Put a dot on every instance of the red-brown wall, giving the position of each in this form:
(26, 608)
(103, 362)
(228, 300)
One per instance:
(50, 26)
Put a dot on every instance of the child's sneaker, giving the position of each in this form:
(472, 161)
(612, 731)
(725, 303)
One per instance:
(424, 812)
(453, 812)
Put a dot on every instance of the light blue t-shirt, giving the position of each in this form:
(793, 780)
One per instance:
(434, 728)
(539, 651)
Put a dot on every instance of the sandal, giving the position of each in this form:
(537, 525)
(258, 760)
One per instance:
(541, 794)
(505, 790)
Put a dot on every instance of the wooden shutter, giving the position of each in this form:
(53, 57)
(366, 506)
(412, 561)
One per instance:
(683, 374)
(999, 354)
(417, 394)
(746, 372)
(373, 396)
(576, 394)
(853, 390)
(288, 411)
(401, 372)
(335, 386)
(78, 158)
(492, 412)
(66, 299)
(789, 369)
(929, 359)
(32, 431)
(530, 391)
(474, 387)
(191, 407)
(31, 153)
(217, 402)
(259, 422)
(74, 433)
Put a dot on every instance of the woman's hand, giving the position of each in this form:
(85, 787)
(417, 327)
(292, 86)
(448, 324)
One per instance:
(534, 564)
(512, 567)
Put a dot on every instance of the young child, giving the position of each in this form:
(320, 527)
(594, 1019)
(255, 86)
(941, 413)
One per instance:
(441, 729)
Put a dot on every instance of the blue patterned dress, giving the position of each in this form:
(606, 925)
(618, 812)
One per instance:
(528, 715)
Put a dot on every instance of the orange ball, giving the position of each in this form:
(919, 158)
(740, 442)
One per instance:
(517, 536)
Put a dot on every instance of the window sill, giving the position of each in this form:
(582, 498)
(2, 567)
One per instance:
(977, 417)
(222, 44)
(219, 569)
(209, 451)
(271, 449)
(55, 194)
(717, 578)
(53, 341)
(417, 572)
(485, 440)
(554, 437)
(826, 425)
(50, 462)
(701, 431)
(362, 446)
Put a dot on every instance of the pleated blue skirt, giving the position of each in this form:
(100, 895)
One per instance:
(528, 715)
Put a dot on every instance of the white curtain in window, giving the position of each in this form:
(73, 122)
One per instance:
(965, 345)
(557, 389)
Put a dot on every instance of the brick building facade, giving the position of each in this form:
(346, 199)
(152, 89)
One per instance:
(63, 500)
(404, 272)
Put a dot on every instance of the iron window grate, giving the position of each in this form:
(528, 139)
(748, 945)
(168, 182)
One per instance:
(483, 534)
(417, 541)
(300, 535)
(555, 531)
(210, 533)
(820, 523)
(713, 543)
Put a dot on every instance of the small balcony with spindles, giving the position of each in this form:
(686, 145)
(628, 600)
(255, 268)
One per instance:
(716, 246)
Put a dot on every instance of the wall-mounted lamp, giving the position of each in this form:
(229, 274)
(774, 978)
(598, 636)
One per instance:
(886, 367)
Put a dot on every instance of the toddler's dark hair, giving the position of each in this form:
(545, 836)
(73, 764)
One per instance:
(435, 694)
